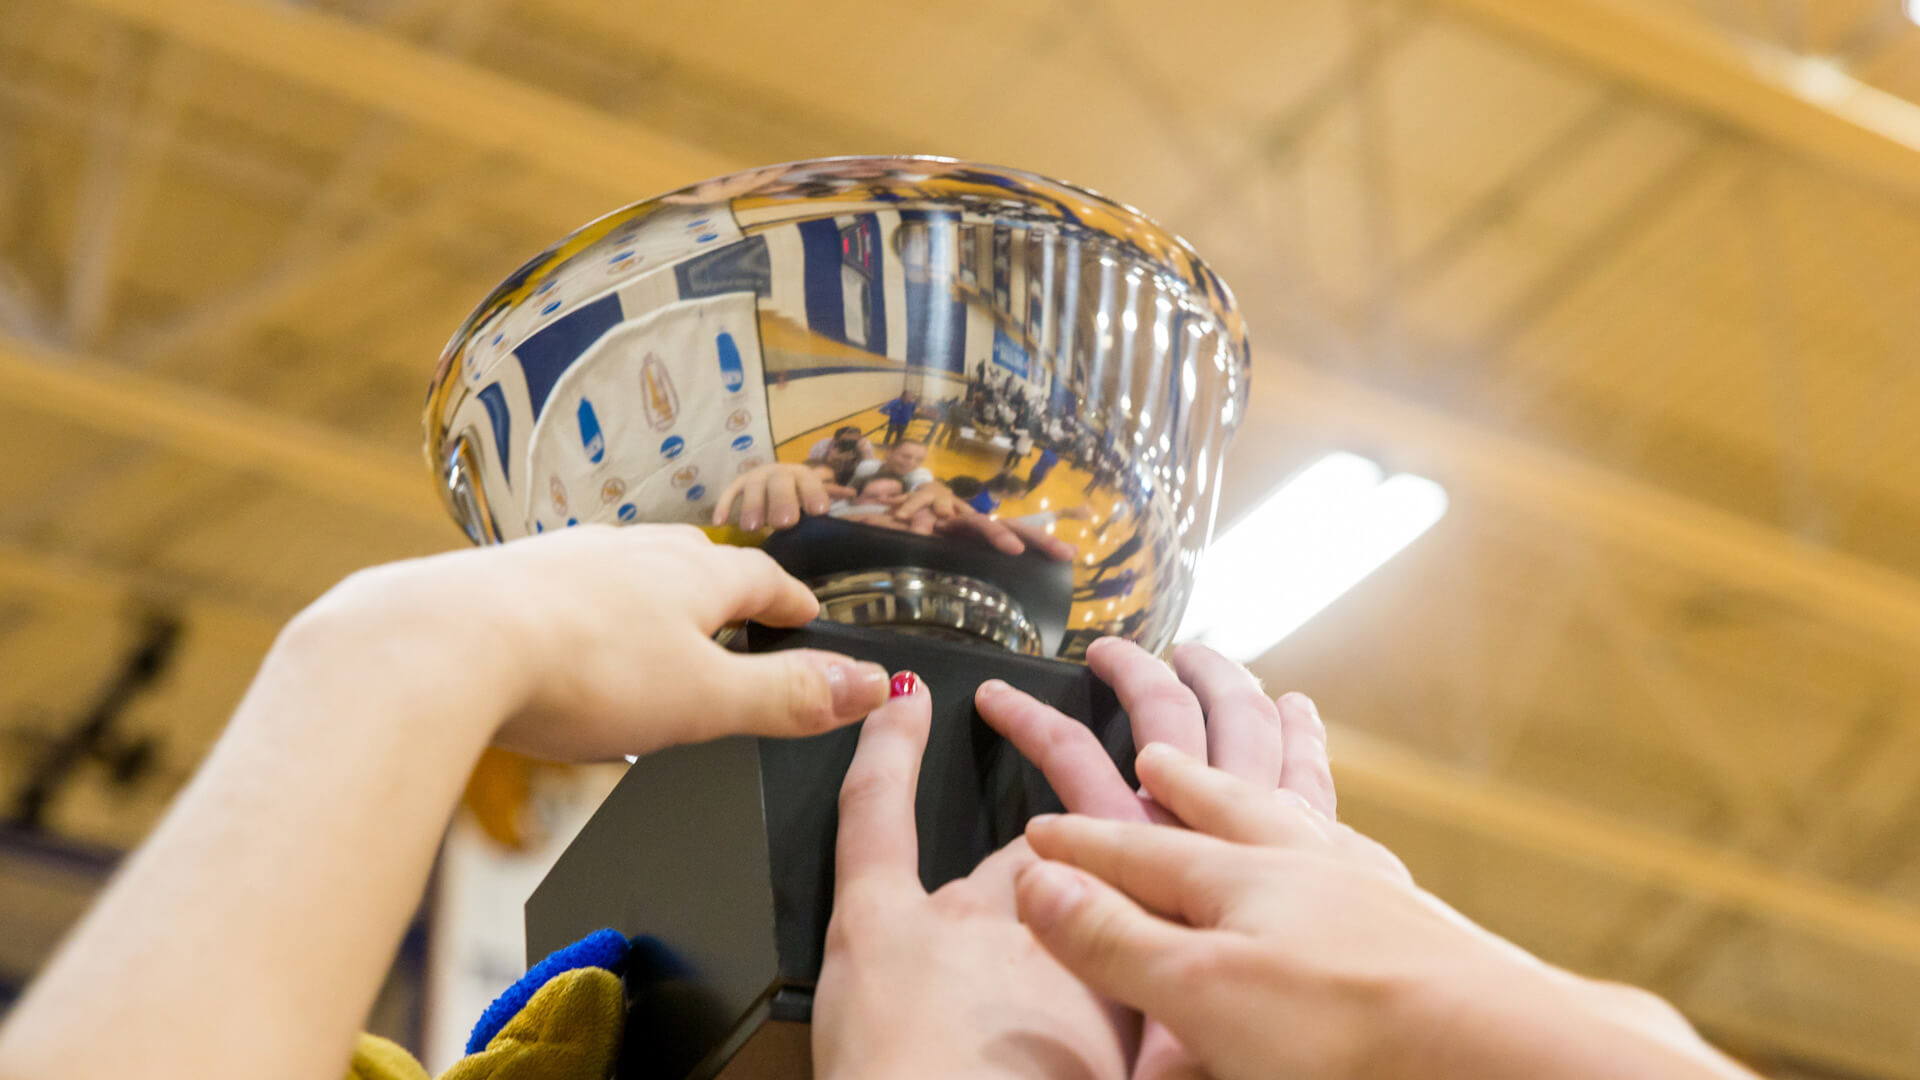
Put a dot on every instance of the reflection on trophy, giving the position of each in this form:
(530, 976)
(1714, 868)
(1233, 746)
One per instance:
(982, 414)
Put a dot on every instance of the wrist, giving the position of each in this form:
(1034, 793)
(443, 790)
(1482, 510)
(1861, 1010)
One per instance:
(405, 636)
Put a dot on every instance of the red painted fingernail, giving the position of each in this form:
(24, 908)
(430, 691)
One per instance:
(904, 683)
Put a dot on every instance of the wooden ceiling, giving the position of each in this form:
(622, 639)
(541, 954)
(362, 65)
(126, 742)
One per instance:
(1637, 280)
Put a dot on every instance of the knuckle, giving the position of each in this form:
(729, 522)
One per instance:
(1170, 695)
(809, 702)
(1244, 802)
(1102, 935)
(1325, 800)
(1381, 856)
(1206, 965)
(867, 786)
(1192, 880)
(1292, 800)
(1056, 741)
(1250, 701)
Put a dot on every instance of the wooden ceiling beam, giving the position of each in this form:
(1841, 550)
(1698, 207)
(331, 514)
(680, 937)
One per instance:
(88, 585)
(458, 100)
(1480, 465)
(1806, 105)
(1368, 769)
(220, 431)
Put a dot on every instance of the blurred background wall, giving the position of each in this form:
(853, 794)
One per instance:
(1637, 281)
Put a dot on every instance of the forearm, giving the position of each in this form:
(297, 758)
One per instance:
(248, 936)
(1523, 1025)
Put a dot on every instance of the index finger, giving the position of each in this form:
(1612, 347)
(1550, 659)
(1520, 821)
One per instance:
(750, 585)
(723, 506)
(1065, 751)
(1038, 538)
(878, 842)
(992, 531)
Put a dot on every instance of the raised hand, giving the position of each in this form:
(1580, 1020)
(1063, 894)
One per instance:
(600, 638)
(775, 495)
(1206, 706)
(1274, 941)
(941, 985)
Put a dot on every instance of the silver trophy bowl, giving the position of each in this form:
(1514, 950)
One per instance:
(1067, 373)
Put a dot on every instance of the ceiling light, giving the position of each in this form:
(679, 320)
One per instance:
(1318, 535)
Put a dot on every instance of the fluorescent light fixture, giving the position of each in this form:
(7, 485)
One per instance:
(1318, 535)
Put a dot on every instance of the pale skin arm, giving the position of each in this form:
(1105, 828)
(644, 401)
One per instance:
(1272, 940)
(248, 936)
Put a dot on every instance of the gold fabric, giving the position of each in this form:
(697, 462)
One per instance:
(569, 1030)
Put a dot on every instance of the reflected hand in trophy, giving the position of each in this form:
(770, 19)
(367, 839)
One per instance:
(777, 495)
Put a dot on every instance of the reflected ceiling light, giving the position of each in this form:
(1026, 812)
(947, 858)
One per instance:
(1318, 535)
(1913, 11)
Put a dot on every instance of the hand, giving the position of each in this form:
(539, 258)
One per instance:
(933, 507)
(773, 494)
(602, 638)
(936, 497)
(1207, 707)
(1010, 536)
(947, 985)
(921, 524)
(1281, 943)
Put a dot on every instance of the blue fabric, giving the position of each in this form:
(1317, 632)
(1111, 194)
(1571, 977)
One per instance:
(601, 949)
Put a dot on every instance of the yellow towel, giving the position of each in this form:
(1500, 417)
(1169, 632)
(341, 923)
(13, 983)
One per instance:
(569, 1030)
(375, 1058)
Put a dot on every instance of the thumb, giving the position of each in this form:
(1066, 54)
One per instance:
(795, 692)
(1109, 942)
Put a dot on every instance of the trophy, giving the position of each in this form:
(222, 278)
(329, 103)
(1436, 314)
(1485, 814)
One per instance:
(1016, 395)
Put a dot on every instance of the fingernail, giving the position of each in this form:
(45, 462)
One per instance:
(1042, 820)
(854, 686)
(990, 688)
(904, 683)
(1051, 892)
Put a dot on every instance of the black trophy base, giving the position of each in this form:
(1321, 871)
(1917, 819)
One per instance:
(721, 854)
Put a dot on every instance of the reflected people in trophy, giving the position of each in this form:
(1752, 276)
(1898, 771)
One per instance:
(893, 344)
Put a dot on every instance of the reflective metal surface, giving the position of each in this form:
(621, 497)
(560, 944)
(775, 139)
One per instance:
(920, 601)
(1022, 363)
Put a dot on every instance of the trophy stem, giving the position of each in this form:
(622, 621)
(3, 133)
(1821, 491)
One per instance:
(928, 603)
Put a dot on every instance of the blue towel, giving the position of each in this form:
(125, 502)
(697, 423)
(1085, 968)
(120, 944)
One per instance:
(601, 949)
